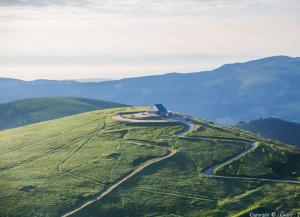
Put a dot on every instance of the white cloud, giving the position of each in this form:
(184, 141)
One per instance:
(122, 37)
(41, 3)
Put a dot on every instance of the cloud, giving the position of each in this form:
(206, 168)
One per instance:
(41, 3)
(135, 3)
(145, 8)
(58, 37)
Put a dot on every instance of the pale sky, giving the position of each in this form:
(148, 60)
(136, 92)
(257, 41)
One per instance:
(56, 39)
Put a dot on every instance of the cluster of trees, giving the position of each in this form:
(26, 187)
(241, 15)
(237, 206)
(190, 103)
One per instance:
(274, 128)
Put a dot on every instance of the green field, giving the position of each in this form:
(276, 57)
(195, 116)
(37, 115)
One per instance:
(271, 161)
(34, 110)
(53, 167)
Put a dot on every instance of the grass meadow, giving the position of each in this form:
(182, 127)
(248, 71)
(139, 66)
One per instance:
(49, 168)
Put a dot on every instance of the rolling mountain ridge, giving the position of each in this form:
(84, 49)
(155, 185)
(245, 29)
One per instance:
(231, 93)
(28, 111)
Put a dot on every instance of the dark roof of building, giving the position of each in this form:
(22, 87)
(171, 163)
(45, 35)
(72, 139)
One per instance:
(161, 108)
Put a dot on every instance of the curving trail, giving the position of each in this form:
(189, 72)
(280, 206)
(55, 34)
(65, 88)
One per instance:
(251, 146)
(209, 170)
(171, 152)
(116, 184)
(124, 119)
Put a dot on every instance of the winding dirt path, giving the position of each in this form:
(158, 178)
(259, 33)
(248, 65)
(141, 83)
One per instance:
(115, 185)
(251, 146)
(209, 171)
(124, 119)
(170, 152)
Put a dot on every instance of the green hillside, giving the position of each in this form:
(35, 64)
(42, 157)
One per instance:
(93, 164)
(274, 128)
(27, 111)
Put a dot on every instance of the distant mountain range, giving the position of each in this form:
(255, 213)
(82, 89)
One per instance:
(28, 111)
(231, 93)
(92, 79)
(274, 128)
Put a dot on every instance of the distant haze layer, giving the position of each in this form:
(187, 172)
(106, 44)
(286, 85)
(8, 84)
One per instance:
(115, 39)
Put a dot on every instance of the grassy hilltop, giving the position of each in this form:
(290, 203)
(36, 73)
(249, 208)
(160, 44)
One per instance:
(28, 111)
(50, 168)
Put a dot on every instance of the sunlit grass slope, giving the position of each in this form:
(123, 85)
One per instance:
(49, 168)
(270, 160)
(27, 111)
(178, 187)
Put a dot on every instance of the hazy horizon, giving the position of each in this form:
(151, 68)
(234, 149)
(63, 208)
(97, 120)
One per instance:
(56, 39)
(99, 79)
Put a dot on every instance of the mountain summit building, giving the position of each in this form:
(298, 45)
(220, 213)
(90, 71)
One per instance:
(159, 109)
